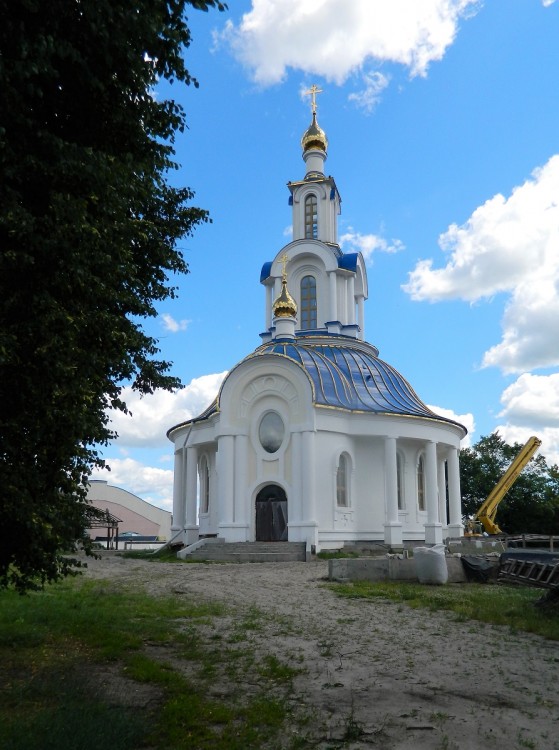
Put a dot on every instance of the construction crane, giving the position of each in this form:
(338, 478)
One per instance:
(488, 509)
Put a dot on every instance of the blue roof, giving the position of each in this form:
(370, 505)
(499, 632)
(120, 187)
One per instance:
(349, 375)
(345, 373)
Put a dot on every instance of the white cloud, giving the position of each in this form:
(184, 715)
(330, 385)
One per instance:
(367, 244)
(172, 325)
(336, 38)
(152, 484)
(531, 407)
(532, 400)
(547, 3)
(507, 245)
(154, 414)
(467, 420)
(369, 97)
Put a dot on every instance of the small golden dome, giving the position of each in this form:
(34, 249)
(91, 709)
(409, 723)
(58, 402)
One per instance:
(314, 137)
(284, 306)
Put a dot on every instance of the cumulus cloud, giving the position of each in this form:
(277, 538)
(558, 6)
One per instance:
(465, 419)
(507, 245)
(531, 407)
(367, 244)
(532, 400)
(370, 95)
(152, 484)
(336, 38)
(152, 415)
(172, 325)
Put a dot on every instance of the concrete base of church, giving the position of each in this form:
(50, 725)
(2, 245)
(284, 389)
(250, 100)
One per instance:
(191, 534)
(303, 531)
(234, 532)
(455, 530)
(433, 533)
(393, 535)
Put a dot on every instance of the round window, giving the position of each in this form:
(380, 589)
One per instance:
(271, 431)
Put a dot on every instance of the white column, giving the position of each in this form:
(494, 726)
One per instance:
(455, 526)
(295, 502)
(392, 526)
(309, 487)
(351, 300)
(179, 499)
(441, 481)
(191, 527)
(333, 312)
(226, 478)
(361, 316)
(433, 527)
(240, 504)
(269, 303)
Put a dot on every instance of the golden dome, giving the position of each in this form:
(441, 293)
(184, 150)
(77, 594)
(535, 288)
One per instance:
(284, 306)
(314, 137)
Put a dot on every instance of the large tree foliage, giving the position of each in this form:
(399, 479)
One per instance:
(532, 503)
(88, 230)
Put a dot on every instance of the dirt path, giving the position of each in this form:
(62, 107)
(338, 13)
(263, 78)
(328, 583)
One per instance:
(403, 679)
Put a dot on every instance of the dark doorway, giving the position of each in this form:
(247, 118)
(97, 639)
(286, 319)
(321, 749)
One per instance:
(271, 514)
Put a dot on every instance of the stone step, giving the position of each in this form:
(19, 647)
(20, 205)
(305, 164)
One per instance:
(250, 552)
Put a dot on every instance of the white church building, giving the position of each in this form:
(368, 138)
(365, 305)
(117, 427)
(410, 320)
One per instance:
(312, 437)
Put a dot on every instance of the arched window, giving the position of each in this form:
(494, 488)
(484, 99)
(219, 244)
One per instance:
(204, 474)
(400, 481)
(421, 483)
(308, 302)
(342, 482)
(311, 218)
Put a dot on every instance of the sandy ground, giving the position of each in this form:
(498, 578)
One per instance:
(407, 679)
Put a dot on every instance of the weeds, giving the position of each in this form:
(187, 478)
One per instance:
(510, 606)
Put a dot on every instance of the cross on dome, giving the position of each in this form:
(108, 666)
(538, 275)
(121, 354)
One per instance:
(313, 91)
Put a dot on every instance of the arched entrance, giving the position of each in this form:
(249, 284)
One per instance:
(271, 514)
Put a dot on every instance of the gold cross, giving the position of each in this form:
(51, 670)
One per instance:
(284, 260)
(313, 91)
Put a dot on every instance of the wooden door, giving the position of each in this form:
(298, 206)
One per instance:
(271, 514)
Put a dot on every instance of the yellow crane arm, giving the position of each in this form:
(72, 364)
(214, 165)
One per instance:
(488, 510)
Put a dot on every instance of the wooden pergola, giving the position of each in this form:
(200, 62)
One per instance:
(102, 519)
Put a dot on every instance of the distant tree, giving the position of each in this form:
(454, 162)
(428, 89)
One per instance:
(88, 231)
(532, 503)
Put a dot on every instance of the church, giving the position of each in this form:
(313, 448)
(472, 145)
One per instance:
(312, 438)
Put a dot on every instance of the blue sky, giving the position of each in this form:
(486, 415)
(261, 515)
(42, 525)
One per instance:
(443, 124)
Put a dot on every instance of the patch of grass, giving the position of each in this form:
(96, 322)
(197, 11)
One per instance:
(336, 555)
(510, 606)
(75, 657)
(277, 671)
(164, 555)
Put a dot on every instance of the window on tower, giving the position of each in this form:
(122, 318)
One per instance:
(308, 302)
(311, 218)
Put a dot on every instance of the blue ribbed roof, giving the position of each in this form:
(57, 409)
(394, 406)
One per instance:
(349, 375)
(346, 374)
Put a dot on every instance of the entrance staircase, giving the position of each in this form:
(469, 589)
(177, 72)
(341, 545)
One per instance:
(214, 550)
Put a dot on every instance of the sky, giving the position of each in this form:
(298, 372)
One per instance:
(442, 118)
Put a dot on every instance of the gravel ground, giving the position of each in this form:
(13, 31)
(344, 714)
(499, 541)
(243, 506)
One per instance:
(403, 679)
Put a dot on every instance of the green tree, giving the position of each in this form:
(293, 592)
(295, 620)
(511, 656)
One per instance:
(530, 506)
(88, 231)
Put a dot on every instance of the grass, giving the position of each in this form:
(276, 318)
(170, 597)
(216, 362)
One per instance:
(86, 665)
(337, 554)
(510, 606)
